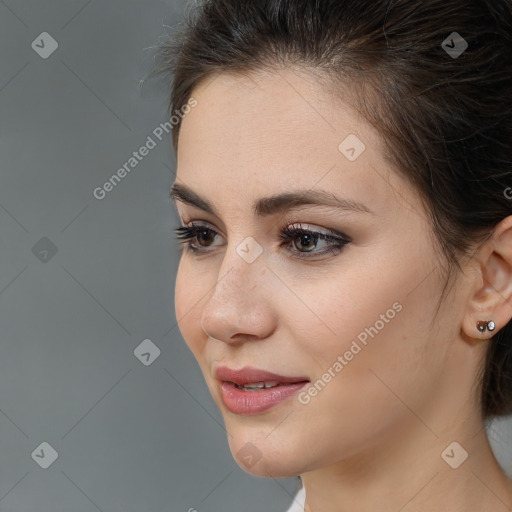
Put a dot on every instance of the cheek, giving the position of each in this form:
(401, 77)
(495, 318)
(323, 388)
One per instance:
(374, 347)
(390, 359)
(189, 290)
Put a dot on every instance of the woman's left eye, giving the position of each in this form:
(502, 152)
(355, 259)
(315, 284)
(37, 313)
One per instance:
(307, 239)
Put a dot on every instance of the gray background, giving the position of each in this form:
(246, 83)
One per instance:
(129, 436)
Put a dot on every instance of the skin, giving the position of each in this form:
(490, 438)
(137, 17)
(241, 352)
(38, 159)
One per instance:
(372, 438)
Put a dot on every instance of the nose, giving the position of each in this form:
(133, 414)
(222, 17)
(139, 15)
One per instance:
(239, 308)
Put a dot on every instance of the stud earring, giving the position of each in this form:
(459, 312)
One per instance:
(482, 326)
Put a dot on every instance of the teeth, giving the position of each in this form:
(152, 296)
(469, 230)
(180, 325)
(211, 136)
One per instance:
(258, 385)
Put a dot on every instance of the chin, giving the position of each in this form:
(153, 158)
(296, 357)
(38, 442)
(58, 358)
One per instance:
(259, 457)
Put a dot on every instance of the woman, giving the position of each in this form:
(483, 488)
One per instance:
(344, 187)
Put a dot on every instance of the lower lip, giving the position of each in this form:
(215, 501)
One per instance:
(254, 402)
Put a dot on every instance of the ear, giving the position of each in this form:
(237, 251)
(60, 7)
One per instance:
(491, 297)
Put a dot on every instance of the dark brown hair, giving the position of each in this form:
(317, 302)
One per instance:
(445, 119)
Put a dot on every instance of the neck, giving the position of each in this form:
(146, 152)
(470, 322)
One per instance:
(415, 473)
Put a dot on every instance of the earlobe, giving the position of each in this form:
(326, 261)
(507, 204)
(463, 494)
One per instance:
(490, 306)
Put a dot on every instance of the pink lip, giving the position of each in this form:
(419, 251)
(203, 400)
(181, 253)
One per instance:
(248, 374)
(240, 401)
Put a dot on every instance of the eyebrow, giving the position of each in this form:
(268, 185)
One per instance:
(275, 204)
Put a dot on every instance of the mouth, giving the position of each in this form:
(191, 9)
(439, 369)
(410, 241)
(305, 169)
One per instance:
(251, 391)
(255, 379)
(256, 386)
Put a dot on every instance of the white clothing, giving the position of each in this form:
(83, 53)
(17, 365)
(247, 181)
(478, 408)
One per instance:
(298, 502)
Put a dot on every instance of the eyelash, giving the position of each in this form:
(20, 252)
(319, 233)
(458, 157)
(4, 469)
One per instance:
(188, 233)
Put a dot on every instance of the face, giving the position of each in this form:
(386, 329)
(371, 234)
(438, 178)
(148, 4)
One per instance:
(354, 319)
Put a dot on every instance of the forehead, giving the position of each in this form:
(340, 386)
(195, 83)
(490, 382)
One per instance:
(270, 132)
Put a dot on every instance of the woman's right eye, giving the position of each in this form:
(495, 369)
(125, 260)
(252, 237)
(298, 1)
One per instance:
(188, 233)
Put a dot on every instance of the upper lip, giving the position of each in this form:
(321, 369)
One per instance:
(247, 375)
